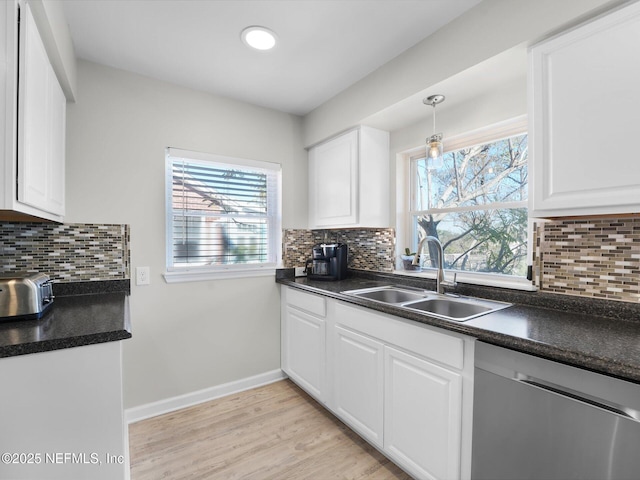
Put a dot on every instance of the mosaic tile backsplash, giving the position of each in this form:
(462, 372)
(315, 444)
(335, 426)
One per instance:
(597, 258)
(68, 252)
(369, 248)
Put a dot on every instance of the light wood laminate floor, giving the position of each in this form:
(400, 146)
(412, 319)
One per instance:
(273, 432)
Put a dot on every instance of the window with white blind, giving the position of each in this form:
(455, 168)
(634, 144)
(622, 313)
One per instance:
(223, 216)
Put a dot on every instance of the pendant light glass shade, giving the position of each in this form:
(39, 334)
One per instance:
(435, 149)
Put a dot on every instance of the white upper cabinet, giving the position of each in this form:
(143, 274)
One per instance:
(41, 121)
(584, 99)
(349, 180)
(34, 119)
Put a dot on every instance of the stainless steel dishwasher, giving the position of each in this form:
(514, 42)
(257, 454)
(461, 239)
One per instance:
(536, 419)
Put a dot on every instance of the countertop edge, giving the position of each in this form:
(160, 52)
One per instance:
(61, 344)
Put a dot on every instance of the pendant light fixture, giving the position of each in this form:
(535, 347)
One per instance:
(434, 142)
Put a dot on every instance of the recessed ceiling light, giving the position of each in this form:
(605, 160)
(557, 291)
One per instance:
(260, 38)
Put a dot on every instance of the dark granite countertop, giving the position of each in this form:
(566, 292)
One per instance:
(82, 313)
(598, 335)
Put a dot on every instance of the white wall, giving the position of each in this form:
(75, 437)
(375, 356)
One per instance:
(475, 38)
(505, 102)
(53, 28)
(488, 29)
(189, 336)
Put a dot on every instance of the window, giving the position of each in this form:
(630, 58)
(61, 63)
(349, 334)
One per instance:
(223, 216)
(475, 204)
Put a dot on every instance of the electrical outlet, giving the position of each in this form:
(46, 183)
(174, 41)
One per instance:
(300, 272)
(142, 276)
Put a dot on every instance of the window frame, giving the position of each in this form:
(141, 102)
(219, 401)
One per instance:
(406, 200)
(274, 220)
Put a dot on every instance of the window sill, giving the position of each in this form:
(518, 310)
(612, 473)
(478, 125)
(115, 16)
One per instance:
(484, 279)
(198, 276)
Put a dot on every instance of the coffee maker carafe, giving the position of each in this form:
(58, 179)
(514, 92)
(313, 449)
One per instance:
(328, 262)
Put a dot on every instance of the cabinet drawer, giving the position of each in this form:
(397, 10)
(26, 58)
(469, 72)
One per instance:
(444, 348)
(306, 301)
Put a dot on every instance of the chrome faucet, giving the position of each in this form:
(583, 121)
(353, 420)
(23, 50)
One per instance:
(440, 281)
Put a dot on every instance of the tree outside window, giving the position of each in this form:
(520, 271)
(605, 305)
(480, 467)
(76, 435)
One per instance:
(476, 205)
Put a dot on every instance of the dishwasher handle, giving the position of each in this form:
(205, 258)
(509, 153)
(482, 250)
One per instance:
(607, 405)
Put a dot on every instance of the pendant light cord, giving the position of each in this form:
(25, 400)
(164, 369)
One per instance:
(434, 117)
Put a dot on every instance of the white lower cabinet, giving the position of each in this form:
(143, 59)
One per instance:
(422, 415)
(304, 356)
(358, 383)
(405, 387)
(61, 415)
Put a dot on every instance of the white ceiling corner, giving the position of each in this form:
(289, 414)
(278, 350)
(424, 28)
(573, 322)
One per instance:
(324, 45)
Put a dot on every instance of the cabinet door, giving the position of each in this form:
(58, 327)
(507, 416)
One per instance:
(41, 117)
(422, 419)
(584, 97)
(333, 182)
(358, 383)
(304, 357)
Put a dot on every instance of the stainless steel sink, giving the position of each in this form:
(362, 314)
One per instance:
(456, 308)
(388, 294)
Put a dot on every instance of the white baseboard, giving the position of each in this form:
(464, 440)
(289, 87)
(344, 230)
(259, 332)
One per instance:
(160, 407)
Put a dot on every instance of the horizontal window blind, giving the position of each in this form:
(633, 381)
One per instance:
(222, 214)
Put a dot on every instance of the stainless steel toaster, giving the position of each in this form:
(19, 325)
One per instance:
(24, 296)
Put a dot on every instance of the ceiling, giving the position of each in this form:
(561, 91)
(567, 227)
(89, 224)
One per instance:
(324, 45)
(492, 76)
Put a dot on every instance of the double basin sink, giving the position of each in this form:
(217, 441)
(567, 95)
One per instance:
(449, 307)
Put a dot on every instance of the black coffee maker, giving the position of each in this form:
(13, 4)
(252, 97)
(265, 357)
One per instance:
(328, 262)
